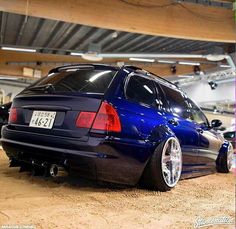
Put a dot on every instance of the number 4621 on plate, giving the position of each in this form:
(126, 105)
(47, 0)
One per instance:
(43, 119)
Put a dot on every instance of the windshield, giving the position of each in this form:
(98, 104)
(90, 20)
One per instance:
(83, 80)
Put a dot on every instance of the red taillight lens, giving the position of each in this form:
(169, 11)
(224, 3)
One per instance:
(13, 115)
(85, 119)
(107, 119)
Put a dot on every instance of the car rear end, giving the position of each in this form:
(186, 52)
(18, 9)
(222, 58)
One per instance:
(53, 120)
(68, 119)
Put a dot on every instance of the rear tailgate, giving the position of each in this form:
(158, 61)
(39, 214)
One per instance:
(52, 105)
(66, 108)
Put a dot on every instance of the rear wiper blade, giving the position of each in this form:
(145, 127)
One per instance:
(46, 88)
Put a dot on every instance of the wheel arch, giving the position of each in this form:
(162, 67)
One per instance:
(158, 135)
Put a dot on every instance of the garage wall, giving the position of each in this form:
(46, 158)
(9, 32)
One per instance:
(10, 91)
(228, 121)
(201, 92)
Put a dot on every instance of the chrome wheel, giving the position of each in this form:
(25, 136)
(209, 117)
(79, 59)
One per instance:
(230, 157)
(171, 162)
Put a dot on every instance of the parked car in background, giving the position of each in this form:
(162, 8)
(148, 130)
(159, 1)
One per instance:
(4, 113)
(116, 124)
(230, 136)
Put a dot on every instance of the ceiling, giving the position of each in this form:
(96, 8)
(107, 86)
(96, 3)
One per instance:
(58, 37)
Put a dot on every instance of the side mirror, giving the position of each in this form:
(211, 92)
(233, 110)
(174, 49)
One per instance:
(216, 123)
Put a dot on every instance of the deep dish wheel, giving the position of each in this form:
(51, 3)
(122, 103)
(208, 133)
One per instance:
(164, 169)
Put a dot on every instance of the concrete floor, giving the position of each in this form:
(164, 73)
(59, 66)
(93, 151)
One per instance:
(74, 203)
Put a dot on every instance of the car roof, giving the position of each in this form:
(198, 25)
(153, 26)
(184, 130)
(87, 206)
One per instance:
(132, 68)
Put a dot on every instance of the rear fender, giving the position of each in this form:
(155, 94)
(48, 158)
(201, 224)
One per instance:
(160, 134)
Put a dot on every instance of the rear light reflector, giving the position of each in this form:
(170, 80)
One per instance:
(13, 115)
(85, 119)
(107, 119)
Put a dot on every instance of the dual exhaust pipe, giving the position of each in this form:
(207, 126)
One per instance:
(38, 169)
(55, 170)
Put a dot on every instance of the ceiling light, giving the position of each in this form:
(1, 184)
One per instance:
(18, 49)
(213, 85)
(92, 56)
(225, 66)
(76, 53)
(196, 70)
(166, 61)
(185, 76)
(189, 63)
(173, 69)
(212, 57)
(114, 35)
(142, 59)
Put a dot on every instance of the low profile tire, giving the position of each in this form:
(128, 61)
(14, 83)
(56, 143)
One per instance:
(164, 168)
(225, 162)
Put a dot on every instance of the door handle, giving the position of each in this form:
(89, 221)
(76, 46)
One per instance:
(173, 122)
(200, 130)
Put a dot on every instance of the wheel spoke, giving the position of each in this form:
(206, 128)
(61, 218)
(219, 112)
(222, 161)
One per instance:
(171, 162)
(166, 159)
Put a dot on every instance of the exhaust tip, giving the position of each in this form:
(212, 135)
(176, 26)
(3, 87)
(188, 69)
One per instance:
(53, 170)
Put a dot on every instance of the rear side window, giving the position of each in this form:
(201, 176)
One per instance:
(141, 90)
(177, 102)
(83, 80)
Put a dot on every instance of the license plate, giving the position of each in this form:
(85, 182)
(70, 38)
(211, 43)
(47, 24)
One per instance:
(42, 119)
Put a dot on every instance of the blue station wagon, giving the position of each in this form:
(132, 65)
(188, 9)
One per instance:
(117, 124)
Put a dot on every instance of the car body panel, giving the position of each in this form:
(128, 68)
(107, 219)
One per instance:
(114, 157)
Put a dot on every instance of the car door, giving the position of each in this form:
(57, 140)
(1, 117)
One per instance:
(209, 140)
(179, 120)
(140, 106)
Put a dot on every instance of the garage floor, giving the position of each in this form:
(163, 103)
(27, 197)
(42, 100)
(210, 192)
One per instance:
(73, 203)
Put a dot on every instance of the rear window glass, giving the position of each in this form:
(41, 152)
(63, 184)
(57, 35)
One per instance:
(83, 80)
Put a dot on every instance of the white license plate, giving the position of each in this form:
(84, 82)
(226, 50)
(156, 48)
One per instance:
(42, 119)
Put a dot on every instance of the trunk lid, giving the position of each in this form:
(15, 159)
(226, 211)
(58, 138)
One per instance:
(59, 98)
(67, 109)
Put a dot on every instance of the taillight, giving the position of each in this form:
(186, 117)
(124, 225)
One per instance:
(85, 119)
(107, 119)
(13, 115)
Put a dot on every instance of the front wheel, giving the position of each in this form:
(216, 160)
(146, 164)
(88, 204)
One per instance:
(225, 163)
(164, 169)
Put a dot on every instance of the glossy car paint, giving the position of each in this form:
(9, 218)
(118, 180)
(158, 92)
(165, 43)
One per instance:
(115, 157)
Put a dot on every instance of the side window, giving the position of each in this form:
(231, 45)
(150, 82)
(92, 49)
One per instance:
(177, 102)
(161, 100)
(141, 90)
(197, 115)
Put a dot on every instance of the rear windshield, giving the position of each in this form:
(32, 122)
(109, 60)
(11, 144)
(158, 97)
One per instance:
(83, 80)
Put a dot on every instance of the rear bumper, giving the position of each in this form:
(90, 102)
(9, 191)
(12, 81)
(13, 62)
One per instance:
(102, 158)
